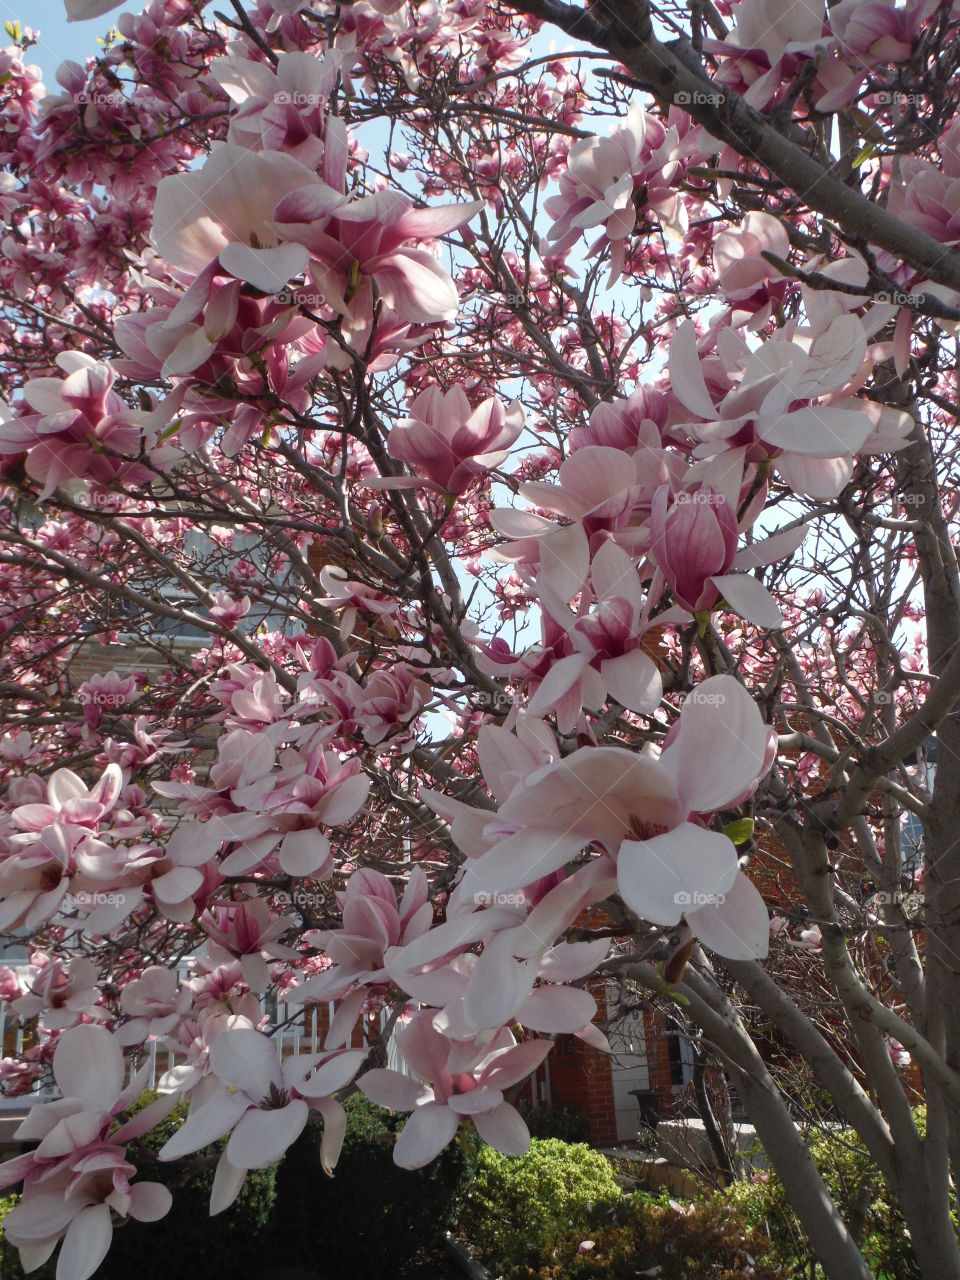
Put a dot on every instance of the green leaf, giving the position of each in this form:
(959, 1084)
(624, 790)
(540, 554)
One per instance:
(864, 154)
(739, 831)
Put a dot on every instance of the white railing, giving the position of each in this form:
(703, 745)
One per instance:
(298, 1032)
(10, 1026)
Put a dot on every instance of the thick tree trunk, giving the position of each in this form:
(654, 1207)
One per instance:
(919, 1171)
(819, 1216)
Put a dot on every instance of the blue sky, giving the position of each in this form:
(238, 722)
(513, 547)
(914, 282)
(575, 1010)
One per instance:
(59, 39)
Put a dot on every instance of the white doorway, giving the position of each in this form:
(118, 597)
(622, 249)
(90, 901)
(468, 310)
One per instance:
(630, 1071)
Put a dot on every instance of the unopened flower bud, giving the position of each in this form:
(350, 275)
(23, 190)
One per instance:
(375, 522)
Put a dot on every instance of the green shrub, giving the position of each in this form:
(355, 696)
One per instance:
(187, 1243)
(569, 1124)
(648, 1235)
(529, 1218)
(520, 1209)
(862, 1196)
(375, 1216)
(10, 1268)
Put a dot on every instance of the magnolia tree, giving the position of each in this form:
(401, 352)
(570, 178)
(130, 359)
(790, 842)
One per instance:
(515, 443)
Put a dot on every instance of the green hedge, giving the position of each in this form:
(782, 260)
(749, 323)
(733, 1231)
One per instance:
(372, 1218)
(570, 1124)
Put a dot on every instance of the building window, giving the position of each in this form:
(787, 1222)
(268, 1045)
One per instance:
(680, 1052)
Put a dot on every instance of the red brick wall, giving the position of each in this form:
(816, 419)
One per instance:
(580, 1077)
(658, 1055)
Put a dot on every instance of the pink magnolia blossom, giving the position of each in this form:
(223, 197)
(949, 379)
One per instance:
(789, 403)
(928, 196)
(80, 431)
(280, 109)
(390, 705)
(36, 873)
(606, 795)
(354, 244)
(607, 658)
(599, 491)
(898, 1054)
(21, 1075)
(228, 611)
(632, 423)
(694, 543)
(810, 939)
(84, 10)
(109, 691)
(113, 878)
(263, 1104)
(270, 818)
(78, 1177)
(319, 788)
(448, 1097)
(223, 213)
(743, 275)
(519, 976)
(446, 444)
(506, 760)
(249, 933)
(776, 26)
(600, 181)
(9, 984)
(59, 992)
(373, 922)
(153, 1003)
(353, 597)
(253, 696)
(16, 746)
(878, 31)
